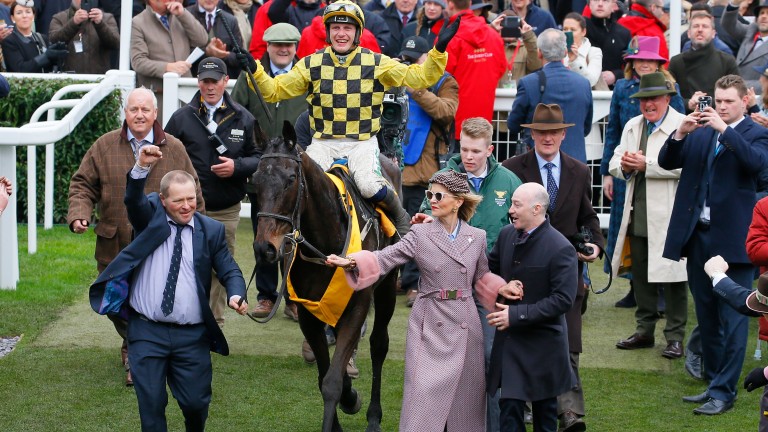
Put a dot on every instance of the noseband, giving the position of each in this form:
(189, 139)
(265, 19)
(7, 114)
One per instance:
(294, 220)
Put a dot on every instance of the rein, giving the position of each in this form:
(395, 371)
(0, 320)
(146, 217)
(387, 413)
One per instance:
(294, 238)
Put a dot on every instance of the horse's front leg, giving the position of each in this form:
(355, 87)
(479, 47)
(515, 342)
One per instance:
(385, 306)
(314, 331)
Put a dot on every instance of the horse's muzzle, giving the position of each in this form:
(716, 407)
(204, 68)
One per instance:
(265, 252)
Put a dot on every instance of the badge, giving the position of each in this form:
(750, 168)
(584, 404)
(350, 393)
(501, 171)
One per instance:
(237, 132)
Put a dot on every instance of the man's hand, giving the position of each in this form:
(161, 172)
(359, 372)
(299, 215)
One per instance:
(225, 169)
(96, 15)
(589, 258)
(716, 264)
(80, 16)
(446, 34)
(246, 60)
(239, 308)
(512, 290)
(499, 319)
(631, 162)
(711, 118)
(149, 154)
(689, 124)
(175, 8)
(421, 218)
(216, 48)
(755, 379)
(608, 77)
(5, 192)
(608, 187)
(496, 23)
(693, 102)
(759, 119)
(180, 67)
(79, 226)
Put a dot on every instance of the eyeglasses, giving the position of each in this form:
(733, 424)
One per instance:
(437, 195)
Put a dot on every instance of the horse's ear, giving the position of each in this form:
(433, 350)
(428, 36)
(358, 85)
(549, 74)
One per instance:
(289, 134)
(259, 136)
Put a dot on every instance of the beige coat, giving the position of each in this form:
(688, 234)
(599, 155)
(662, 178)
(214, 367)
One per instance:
(661, 187)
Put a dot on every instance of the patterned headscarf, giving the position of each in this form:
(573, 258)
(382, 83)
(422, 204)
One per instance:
(455, 182)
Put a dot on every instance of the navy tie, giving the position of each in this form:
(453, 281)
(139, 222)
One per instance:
(476, 182)
(651, 127)
(169, 293)
(551, 185)
(164, 20)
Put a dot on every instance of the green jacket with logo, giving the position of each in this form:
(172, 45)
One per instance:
(497, 189)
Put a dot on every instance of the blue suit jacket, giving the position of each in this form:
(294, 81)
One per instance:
(735, 295)
(732, 181)
(148, 217)
(564, 87)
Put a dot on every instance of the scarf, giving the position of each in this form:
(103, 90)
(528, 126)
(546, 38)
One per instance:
(240, 11)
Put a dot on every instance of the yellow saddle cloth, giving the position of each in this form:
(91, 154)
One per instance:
(333, 303)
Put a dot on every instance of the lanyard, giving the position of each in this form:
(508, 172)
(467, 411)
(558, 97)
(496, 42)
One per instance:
(511, 64)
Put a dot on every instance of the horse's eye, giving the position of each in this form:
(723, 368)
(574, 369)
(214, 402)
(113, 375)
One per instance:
(292, 178)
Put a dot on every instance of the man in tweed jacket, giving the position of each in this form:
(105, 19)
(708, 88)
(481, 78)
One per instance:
(100, 181)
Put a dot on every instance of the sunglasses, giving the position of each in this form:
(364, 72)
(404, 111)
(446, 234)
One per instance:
(437, 195)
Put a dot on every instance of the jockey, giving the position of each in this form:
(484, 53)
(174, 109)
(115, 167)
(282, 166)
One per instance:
(345, 85)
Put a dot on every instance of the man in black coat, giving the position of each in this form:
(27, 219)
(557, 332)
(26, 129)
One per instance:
(530, 360)
(571, 209)
(610, 36)
(220, 45)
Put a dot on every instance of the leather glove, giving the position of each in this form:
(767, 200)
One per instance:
(246, 60)
(56, 51)
(755, 379)
(446, 34)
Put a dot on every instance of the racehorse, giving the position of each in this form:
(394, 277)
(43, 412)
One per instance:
(295, 196)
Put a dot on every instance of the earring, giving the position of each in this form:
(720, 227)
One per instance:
(455, 209)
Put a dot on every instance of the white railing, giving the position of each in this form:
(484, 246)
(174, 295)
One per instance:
(45, 133)
(179, 91)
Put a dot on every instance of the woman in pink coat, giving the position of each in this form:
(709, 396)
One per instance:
(444, 366)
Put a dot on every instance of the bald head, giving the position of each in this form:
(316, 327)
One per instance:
(529, 206)
(140, 112)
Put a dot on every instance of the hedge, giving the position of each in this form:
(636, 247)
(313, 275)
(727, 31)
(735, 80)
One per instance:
(27, 94)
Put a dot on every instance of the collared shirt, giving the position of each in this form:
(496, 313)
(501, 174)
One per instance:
(555, 169)
(211, 109)
(276, 69)
(149, 283)
(452, 236)
(208, 15)
(657, 124)
(706, 211)
(482, 175)
(136, 146)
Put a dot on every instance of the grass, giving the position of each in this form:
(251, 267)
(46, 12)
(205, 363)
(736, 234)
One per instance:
(65, 373)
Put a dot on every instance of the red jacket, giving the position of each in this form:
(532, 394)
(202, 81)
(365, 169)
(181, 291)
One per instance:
(260, 24)
(757, 236)
(640, 22)
(313, 39)
(477, 60)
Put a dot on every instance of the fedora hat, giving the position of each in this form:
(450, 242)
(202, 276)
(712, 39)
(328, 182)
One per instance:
(654, 84)
(758, 300)
(644, 48)
(757, 8)
(547, 117)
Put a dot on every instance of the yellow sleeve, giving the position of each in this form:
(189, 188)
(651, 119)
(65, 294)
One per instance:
(285, 86)
(395, 74)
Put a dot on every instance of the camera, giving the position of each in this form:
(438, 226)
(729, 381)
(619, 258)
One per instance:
(510, 27)
(580, 240)
(394, 117)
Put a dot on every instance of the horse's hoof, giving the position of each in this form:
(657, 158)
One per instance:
(355, 408)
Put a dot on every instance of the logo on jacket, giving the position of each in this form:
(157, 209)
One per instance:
(501, 197)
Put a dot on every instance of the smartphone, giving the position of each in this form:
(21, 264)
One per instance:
(704, 102)
(568, 40)
(87, 5)
(510, 27)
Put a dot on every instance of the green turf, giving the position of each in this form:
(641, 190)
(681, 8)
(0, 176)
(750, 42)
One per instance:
(65, 375)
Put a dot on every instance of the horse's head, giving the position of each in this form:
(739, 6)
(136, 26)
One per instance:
(279, 189)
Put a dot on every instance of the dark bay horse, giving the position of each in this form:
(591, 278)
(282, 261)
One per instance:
(294, 193)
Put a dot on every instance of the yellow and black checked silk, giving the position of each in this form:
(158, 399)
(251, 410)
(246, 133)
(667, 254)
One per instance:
(345, 100)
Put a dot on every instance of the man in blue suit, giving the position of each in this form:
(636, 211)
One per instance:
(721, 153)
(554, 84)
(162, 282)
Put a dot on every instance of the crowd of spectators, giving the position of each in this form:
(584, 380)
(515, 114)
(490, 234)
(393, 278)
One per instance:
(554, 53)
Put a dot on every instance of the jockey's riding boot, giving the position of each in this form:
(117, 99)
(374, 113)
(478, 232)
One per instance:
(394, 209)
